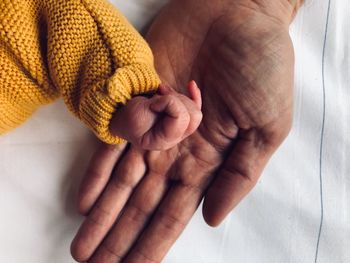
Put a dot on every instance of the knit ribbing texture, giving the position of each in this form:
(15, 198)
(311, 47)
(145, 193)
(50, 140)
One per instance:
(82, 50)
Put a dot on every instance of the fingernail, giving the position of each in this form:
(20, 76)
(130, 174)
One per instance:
(164, 89)
(194, 83)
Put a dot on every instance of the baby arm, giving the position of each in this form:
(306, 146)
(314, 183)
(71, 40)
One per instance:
(160, 122)
(82, 50)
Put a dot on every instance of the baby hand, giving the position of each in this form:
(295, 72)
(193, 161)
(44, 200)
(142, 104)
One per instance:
(160, 122)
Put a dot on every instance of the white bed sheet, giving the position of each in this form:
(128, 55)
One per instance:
(308, 179)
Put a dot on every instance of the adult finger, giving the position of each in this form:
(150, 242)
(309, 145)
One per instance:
(106, 210)
(97, 175)
(141, 205)
(167, 224)
(238, 175)
(132, 221)
(190, 175)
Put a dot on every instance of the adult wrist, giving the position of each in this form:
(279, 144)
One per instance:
(283, 10)
(295, 5)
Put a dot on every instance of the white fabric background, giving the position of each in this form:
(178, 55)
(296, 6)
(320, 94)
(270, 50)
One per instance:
(42, 162)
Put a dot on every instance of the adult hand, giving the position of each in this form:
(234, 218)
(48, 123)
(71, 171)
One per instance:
(241, 55)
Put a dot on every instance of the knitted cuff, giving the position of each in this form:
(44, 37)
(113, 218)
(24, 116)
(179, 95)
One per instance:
(99, 104)
(11, 115)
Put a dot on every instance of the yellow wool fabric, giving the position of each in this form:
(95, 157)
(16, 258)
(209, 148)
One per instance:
(82, 50)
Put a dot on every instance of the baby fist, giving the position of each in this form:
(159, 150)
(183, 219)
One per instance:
(162, 121)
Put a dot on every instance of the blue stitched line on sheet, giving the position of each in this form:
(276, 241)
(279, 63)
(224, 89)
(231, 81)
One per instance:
(322, 130)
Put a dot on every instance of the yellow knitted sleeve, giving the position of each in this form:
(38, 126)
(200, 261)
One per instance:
(82, 50)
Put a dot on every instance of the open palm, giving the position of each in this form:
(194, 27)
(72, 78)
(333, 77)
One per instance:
(242, 58)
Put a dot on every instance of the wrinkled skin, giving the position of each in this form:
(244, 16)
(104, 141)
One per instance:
(241, 56)
(159, 122)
